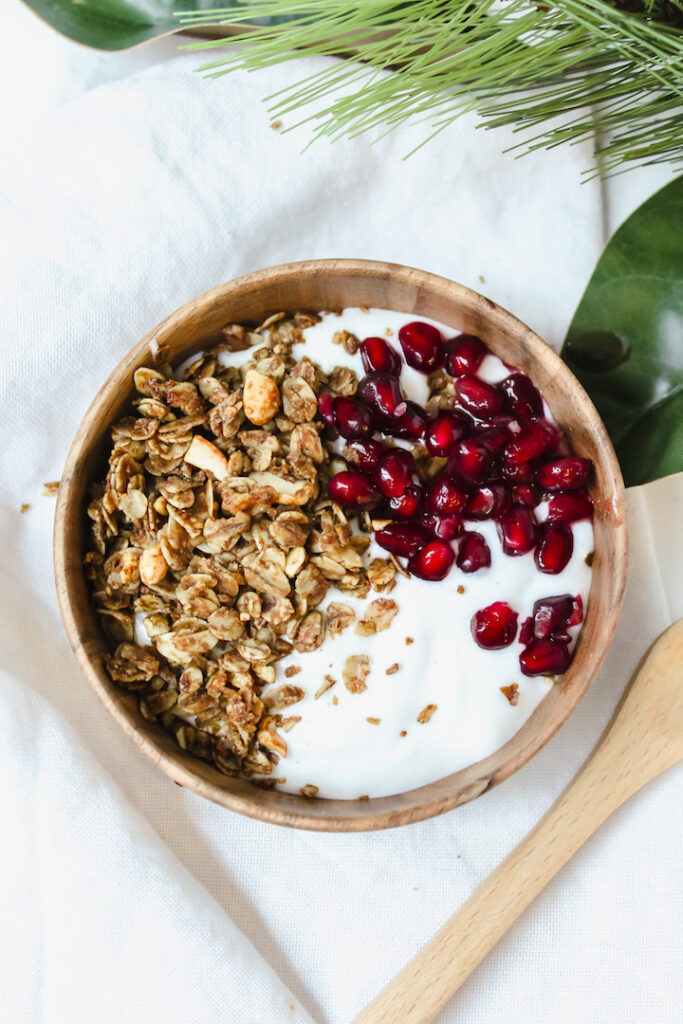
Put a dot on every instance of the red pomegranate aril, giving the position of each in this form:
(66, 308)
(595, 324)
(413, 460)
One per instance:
(353, 489)
(422, 345)
(433, 561)
(487, 501)
(554, 548)
(576, 617)
(380, 357)
(471, 460)
(568, 474)
(523, 398)
(394, 472)
(569, 507)
(526, 632)
(473, 553)
(364, 454)
(525, 494)
(407, 505)
(411, 425)
(479, 398)
(326, 408)
(544, 658)
(443, 527)
(533, 440)
(403, 539)
(551, 616)
(381, 391)
(353, 419)
(495, 626)
(495, 438)
(521, 473)
(517, 530)
(444, 430)
(444, 496)
(465, 354)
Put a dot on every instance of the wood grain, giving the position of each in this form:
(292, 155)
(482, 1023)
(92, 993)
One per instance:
(644, 738)
(335, 284)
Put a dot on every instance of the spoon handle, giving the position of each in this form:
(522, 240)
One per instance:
(636, 747)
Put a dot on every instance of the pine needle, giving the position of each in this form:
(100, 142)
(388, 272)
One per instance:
(559, 71)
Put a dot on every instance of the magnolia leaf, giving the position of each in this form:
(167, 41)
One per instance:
(625, 343)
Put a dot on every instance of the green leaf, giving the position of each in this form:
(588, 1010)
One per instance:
(625, 343)
(117, 24)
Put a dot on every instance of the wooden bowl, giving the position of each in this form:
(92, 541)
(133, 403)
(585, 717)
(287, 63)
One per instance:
(335, 284)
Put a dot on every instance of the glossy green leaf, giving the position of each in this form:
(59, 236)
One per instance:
(117, 24)
(625, 343)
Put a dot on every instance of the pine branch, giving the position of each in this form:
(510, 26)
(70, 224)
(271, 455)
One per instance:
(573, 69)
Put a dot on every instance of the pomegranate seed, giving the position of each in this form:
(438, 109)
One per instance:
(402, 539)
(495, 626)
(551, 616)
(408, 504)
(422, 346)
(465, 354)
(353, 489)
(379, 356)
(487, 501)
(521, 473)
(525, 494)
(554, 548)
(352, 418)
(473, 553)
(526, 632)
(495, 438)
(471, 460)
(433, 561)
(479, 398)
(394, 472)
(443, 431)
(443, 527)
(517, 530)
(523, 397)
(364, 454)
(576, 617)
(444, 496)
(326, 408)
(533, 440)
(564, 474)
(411, 424)
(381, 391)
(569, 507)
(544, 658)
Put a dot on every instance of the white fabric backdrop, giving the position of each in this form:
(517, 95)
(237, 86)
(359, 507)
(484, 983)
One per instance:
(116, 209)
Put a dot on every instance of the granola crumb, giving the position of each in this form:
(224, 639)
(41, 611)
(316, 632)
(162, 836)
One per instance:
(511, 692)
(309, 790)
(482, 278)
(335, 699)
(356, 670)
(292, 670)
(589, 559)
(276, 126)
(24, 507)
(388, 333)
(290, 722)
(403, 732)
(373, 721)
(393, 668)
(327, 684)
(460, 588)
(364, 309)
(364, 799)
(409, 641)
(50, 488)
(426, 713)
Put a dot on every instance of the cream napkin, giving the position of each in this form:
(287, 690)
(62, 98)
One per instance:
(134, 198)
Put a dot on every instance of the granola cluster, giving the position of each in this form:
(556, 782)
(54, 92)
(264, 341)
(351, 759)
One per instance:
(214, 526)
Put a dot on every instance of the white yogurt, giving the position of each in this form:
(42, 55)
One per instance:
(334, 746)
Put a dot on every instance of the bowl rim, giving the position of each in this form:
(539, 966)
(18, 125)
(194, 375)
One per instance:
(247, 802)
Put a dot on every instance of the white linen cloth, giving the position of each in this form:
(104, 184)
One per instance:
(132, 199)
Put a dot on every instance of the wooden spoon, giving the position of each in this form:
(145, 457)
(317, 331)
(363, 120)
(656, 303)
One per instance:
(644, 738)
